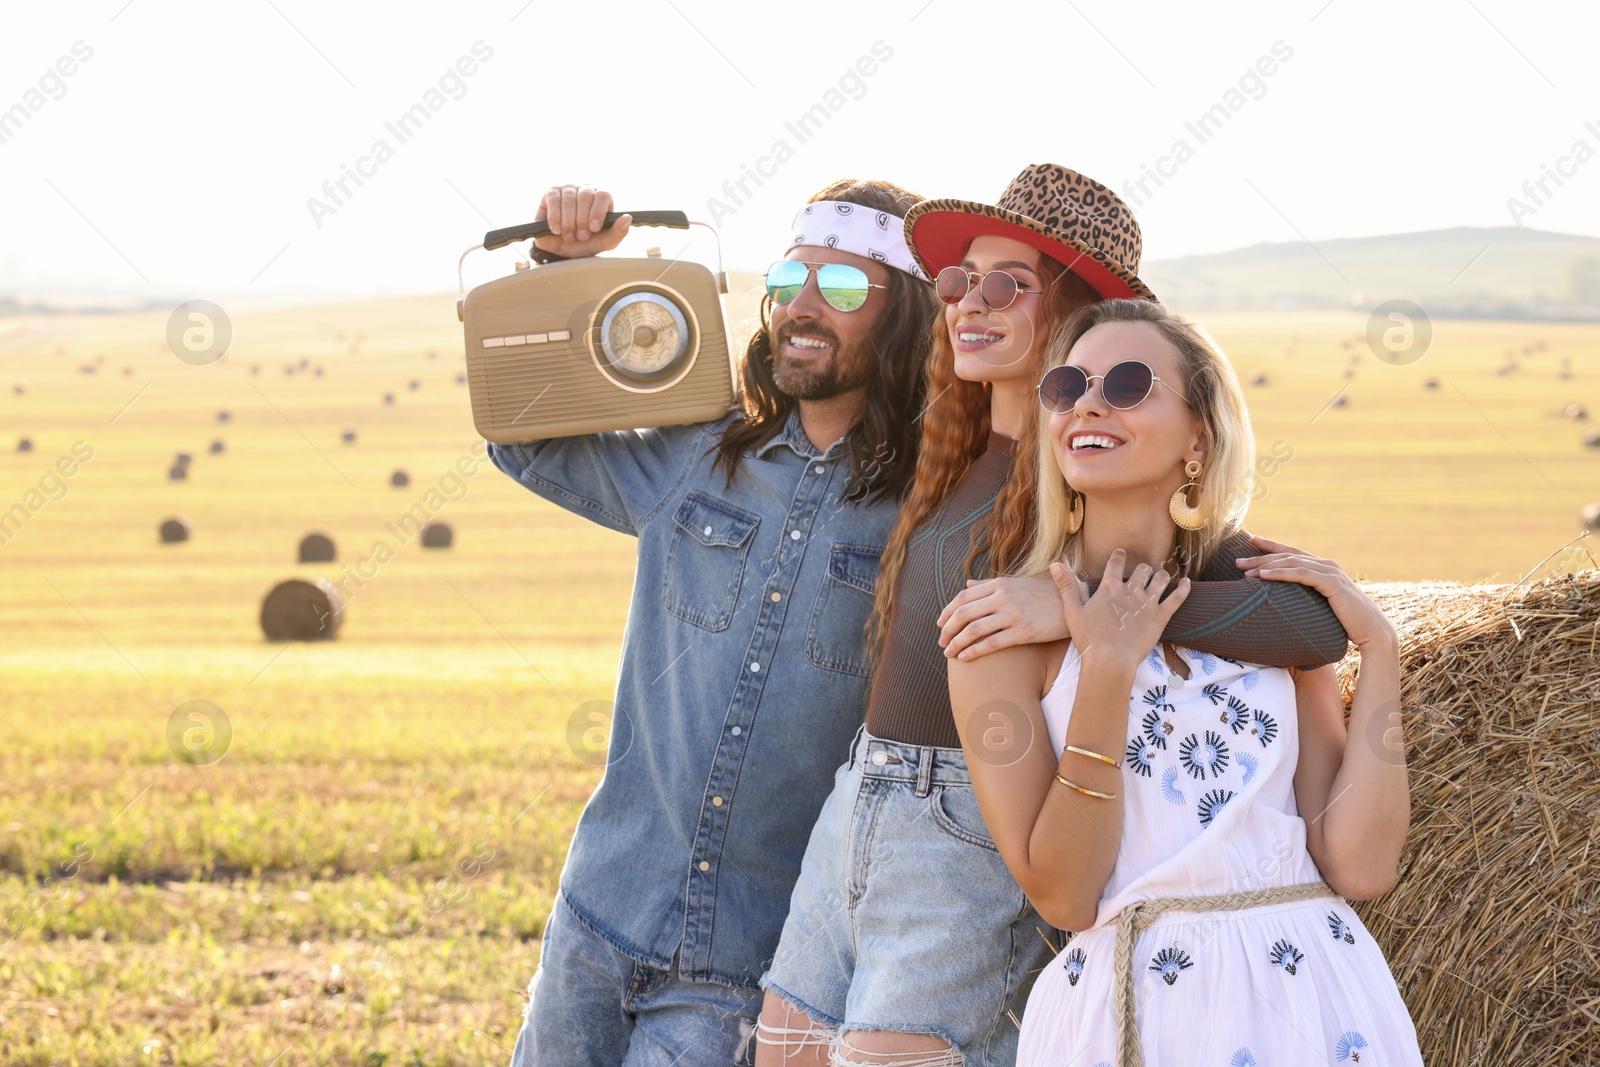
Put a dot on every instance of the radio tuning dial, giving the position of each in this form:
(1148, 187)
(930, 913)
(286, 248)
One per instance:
(644, 335)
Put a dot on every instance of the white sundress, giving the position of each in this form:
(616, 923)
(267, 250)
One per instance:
(1209, 808)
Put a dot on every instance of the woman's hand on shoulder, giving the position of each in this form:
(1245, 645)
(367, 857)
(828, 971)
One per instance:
(1125, 617)
(1362, 619)
(576, 214)
(999, 613)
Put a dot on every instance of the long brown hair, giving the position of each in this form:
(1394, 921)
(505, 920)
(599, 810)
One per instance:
(955, 432)
(883, 443)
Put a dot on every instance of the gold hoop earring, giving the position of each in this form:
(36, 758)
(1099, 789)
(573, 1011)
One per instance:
(1185, 514)
(1074, 510)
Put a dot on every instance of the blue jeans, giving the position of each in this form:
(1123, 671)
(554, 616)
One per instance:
(590, 1005)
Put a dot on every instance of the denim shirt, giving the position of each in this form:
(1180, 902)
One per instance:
(742, 681)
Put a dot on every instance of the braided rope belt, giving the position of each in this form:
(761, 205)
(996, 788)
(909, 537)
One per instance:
(1134, 918)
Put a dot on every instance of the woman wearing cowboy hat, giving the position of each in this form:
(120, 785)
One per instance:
(908, 940)
(1163, 820)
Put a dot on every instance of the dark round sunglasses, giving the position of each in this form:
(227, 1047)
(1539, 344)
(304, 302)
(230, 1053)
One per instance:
(1124, 386)
(997, 289)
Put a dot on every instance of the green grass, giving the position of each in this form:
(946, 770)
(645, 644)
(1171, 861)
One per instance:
(398, 803)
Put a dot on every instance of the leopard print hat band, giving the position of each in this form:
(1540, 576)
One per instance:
(861, 230)
(1068, 216)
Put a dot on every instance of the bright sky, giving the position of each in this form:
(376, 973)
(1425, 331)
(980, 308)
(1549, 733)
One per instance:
(177, 158)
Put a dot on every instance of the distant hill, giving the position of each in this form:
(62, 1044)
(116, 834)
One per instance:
(1466, 272)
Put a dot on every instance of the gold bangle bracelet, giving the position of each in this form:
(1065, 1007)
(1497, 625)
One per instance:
(1085, 792)
(1093, 755)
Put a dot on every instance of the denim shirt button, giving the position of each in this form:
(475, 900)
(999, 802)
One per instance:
(755, 668)
(818, 469)
(737, 731)
(776, 597)
(794, 535)
(716, 802)
(880, 757)
(704, 866)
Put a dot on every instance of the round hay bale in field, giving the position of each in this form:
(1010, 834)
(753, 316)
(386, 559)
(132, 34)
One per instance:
(174, 531)
(1592, 439)
(399, 479)
(1589, 515)
(302, 610)
(1341, 401)
(19, 389)
(1431, 383)
(413, 385)
(224, 415)
(218, 446)
(1349, 372)
(177, 473)
(388, 398)
(1494, 904)
(127, 372)
(255, 370)
(348, 437)
(24, 444)
(433, 355)
(87, 368)
(318, 372)
(437, 535)
(183, 459)
(461, 379)
(1258, 378)
(317, 548)
(304, 363)
(1575, 410)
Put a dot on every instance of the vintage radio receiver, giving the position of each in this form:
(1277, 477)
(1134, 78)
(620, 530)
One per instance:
(600, 343)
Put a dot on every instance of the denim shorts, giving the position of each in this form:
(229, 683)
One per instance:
(905, 917)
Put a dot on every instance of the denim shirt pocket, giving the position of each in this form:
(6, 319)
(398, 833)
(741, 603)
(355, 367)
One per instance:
(706, 560)
(836, 640)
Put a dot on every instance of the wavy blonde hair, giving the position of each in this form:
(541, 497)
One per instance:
(1215, 398)
(955, 432)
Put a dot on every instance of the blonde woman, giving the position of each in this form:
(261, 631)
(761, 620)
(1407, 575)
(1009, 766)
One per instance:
(1200, 823)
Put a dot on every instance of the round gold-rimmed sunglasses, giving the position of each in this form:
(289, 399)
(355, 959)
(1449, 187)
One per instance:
(1124, 386)
(997, 289)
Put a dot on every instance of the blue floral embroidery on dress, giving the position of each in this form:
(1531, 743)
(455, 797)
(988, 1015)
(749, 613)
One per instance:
(1215, 692)
(1265, 729)
(1236, 715)
(1251, 680)
(1349, 1047)
(1155, 659)
(1074, 966)
(1230, 659)
(1156, 697)
(1285, 955)
(1212, 803)
(1244, 1058)
(1156, 729)
(1173, 794)
(1140, 754)
(1208, 662)
(1198, 756)
(1248, 762)
(1169, 961)
(1341, 929)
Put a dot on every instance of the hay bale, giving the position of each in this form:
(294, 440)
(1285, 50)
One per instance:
(388, 398)
(1341, 401)
(218, 447)
(183, 459)
(304, 362)
(318, 372)
(1589, 515)
(348, 437)
(302, 610)
(399, 479)
(437, 535)
(19, 389)
(1431, 383)
(413, 385)
(1575, 410)
(1492, 926)
(224, 415)
(317, 548)
(461, 379)
(127, 372)
(1258, 378)
(1349, 372)
(255, 370)
(174, 531)
(433, 355)
(1592, 439)
(24, 444)
(87, 368)
(177, 473)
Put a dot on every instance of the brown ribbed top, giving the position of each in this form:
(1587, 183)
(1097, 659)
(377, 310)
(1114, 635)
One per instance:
(910, 688)
(1276, 623)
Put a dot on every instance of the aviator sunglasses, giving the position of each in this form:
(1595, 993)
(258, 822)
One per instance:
(844, 287)
(997, 289)
(1124, 386)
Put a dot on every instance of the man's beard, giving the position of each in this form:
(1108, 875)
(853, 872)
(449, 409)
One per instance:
(847, 370)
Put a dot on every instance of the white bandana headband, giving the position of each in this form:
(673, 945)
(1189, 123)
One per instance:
(860, 230)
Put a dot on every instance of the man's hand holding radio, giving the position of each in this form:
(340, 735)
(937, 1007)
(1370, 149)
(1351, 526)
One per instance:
(575, 214)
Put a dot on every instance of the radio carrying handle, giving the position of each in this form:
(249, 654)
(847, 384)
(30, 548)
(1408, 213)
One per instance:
(676, 220)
